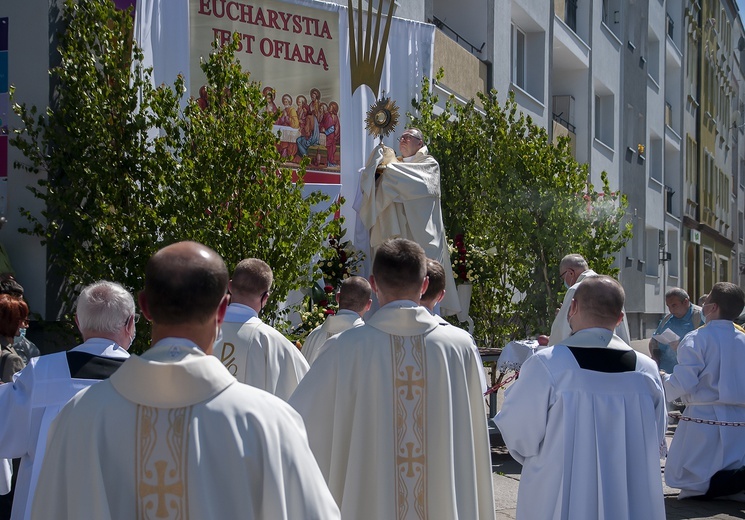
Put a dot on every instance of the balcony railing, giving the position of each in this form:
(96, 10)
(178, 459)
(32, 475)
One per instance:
(457, 37)
(566, 124)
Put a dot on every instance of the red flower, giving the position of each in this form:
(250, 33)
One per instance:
(323, 303)
(329, 289)
(329, 312)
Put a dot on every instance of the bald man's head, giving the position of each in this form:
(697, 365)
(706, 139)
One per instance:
(600, 299)
(184, 282)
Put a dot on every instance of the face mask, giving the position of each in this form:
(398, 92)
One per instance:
(566, 285)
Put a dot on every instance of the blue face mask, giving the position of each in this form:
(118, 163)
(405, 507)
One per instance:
(566, 285)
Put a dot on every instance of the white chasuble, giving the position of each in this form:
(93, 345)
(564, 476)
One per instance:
(257, 354)
(341, 321)
(396, 419)
(173, 435)
(405, 202)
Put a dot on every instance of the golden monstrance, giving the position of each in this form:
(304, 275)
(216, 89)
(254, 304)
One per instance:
(382, 117)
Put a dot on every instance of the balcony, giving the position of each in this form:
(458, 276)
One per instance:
(465, 74)
(567, 11)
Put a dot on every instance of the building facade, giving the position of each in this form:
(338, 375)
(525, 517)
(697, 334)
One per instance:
(650, 92)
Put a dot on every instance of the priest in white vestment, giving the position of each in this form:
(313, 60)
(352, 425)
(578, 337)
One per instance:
(354, 301)
(401, 198)
(105, 315)
(256, 353)
(434, 294)
(708, 460)
(587, 420)
(573, 269)
(394, 409)
(172, 434)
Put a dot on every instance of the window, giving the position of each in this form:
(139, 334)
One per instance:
(604, 119)
(570, 16)
(723, 269)
(518, 57)
(612, 16)
(654, 158)
(653, 59)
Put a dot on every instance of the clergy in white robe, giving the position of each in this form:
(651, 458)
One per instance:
(402, 199)
(343, 320)
(105, 315)
(172, 434)
(394, 410)
(587, 420)
(434, 294)
(354, 301)
(709, 459)
(254, 352)
(573, 270)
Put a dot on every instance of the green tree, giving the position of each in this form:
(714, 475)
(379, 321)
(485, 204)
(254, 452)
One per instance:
(510, 191)
(127, 170)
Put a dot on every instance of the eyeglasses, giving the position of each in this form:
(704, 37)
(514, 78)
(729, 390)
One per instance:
(562, 275)
(407, 137)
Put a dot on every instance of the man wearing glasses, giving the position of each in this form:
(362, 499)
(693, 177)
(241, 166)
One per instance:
(105, 315)
(401, 199)
(572, 270)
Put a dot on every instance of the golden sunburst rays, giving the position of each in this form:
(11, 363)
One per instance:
(382, 117)
(367, 48)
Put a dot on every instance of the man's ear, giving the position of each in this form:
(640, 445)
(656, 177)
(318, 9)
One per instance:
(222, 309)
(440, 296)
(425, 284)
(373, 285)
(144, 309)
(620, 319)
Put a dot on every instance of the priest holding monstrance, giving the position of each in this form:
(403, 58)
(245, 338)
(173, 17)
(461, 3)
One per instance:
(401, 195)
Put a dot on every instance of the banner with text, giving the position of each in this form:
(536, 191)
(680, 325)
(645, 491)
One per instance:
(293, 51)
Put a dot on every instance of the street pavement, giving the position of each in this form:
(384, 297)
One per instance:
(506, 478)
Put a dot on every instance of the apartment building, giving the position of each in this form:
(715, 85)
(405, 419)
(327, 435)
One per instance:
(651, 92)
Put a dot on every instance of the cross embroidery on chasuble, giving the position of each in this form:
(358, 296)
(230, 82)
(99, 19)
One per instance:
(410, 400)
(161, 466)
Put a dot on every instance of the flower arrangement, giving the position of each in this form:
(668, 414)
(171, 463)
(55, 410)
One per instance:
(338, 261)
(469, 263)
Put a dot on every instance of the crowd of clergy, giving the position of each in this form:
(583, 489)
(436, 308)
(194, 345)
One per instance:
(381, 415)
(224, 417)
